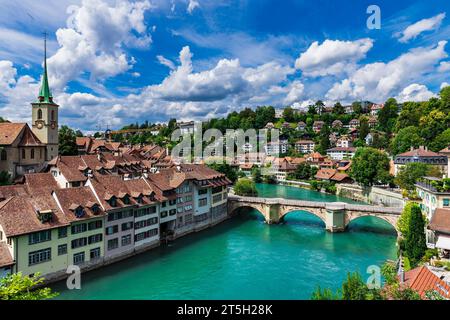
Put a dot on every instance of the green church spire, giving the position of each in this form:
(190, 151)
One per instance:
(44, 93)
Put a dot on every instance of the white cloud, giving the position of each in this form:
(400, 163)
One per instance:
(444, 84)
(94, 39)
(444, 66)
(332, 57)
(165, 62)
(412, 31)
(193, 4)
(377, 81)
(295, 92)
(415, 92)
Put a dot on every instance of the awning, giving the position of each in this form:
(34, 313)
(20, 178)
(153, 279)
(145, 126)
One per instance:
(443, 242)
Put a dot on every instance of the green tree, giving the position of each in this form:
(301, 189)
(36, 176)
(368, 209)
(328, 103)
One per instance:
(338, 108)
(357, 107)
(324, 140)
(245, 187)
(67, 141)
(354, 287)
(387, 116)
(441, 141)
(304, 171)
(410, 173)
(226, 169)
(18, 287)
(409, 116)
(256, 174)
(370, 166)
(364, 128)
(445, 97)
(415, 241)
(405, 139)
(319, 106)
(288, 114)
(325, 294)
(434, 123)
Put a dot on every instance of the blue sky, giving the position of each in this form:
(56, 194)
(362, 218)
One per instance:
(117, 62)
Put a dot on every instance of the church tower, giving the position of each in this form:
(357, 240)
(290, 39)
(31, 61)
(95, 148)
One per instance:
(45, 115)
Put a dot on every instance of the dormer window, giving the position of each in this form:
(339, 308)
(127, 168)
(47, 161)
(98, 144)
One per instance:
(45, 216)
(113, 202)
(79, 212)
(139, 199)
(126, 199)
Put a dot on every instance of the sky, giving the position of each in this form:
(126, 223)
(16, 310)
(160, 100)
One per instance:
(113, 63)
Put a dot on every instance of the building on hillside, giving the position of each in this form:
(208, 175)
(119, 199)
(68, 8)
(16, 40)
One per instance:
(187, 127)
(422, 155)
(340, 153)
(246, 168)
(317, 126)
(373, 122)
(21, 150)
(348, 109)
(344, 142)
(301, 126)
(354, 124)
(305, 146)
(440, 227)
(375, 108)
(337, 124)
(315, 159)
(280, 168)
(446, 152)
(279, 113)
(269, 126)
(276, 148)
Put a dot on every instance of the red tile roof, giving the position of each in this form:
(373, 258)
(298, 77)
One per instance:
(9, 132)
(420, 152)
(40, 183)
(75, 197)
(441, 221)
(29, 139)
(422, 280)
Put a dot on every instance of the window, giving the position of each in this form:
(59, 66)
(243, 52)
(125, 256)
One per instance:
(95, 253)
(202, 192)
(39, 256)
(202, 202)
(52, 115)
(112, 230)
(217, 189)
(145, 223)
(172, 202)
(78, 243)
(79, 212)
(62, 232)
(62, 249)
(188, 219)
(180, 209)
(188, 208)
(172, 212)
(78, 228)
(126, 240)
(113, 202)
(180, 200)
(446, 202)
(32, 154)
(95, 209)
(78, 258)
(127, 226)
(95, 238)
(39, 114)
(4, 155)
(217, 198)
(127, 214)
(145, 235)
(115, 216)
(188, 199)
(126, 200)
(38, 237)
(163, 205)
(113, 244)
(163, 214)
(23, 154)
(95, 225)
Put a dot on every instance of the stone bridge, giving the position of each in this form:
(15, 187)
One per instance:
(335, 215)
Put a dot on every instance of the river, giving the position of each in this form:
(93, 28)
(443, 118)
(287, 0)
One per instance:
(243, 258)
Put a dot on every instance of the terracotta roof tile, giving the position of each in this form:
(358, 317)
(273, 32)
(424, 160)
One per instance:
(422, 280)
(9, 132)
(441, 221)
(5, 255)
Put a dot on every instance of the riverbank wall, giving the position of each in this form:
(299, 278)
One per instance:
(373, 195)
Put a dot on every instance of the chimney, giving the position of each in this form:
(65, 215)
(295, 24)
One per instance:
(99, 157)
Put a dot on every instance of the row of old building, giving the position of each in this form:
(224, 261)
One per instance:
(46, 226)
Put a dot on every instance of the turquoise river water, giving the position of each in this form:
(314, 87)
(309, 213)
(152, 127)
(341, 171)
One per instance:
(243, 258)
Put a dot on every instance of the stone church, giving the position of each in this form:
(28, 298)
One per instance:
(24, 150)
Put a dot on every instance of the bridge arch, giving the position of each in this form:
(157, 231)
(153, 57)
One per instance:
(261, 209)
(318, 213)
(390, 219)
